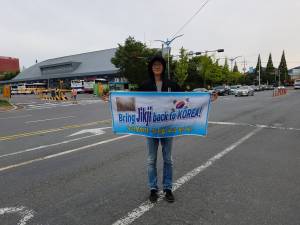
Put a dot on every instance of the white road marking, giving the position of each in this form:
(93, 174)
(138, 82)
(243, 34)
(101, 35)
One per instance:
(95, 131)
(48, 105)
(146, 206)
(25, 213)
(41, 107)
(15, 117)
(227, 123)
(63, 153)
(47, 146)
(57, 118)
(255, 125)
(25, 103)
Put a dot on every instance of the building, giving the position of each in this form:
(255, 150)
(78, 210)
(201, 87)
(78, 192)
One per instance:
(85, 66)
(9, 65)
(294, 73)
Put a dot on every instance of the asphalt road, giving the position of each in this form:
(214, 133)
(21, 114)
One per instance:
(60, 164)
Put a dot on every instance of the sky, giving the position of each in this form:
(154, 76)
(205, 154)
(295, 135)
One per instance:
(43, 29)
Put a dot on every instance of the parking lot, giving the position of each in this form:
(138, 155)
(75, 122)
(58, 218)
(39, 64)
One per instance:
(60, 164)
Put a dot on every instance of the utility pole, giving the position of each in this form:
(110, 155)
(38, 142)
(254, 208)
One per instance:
(259, 73)
(279, 81)
(169, 76)
(244, 68)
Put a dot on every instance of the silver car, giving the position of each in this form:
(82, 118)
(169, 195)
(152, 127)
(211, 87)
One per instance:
(244, 91)
(233, 89)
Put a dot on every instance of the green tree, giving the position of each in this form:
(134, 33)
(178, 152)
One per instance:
(283, 70)
(194, 80)
(270, 71)
(214, 73)
(258, 69)
(226, 72)
(181, 70)
(258, 65)
(132, 58)
(226, 66)
(8, 75)
(206, 72)
(235, 68)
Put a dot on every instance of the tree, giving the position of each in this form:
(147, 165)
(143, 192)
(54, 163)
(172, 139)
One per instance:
(206, 72)
(235, 68)
(226, 66)
(181, 70)
(214, 74)
(258, 68)
(8, 75)
(226, 72)
(132, 58)
(270, 71)
(283, 70)
(194, 80)
(258, 65)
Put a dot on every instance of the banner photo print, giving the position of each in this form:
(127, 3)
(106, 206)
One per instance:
(160, 114)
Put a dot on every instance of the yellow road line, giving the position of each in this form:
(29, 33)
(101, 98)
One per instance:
(34, 133)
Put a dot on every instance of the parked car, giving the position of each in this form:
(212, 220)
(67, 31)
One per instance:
(204, 90)
(257, 88)
(253, 87)
(264, 87)
(270, 87)
(244, 91)
(297, 84)
(200, 90)
(221, 90)
(233, 89)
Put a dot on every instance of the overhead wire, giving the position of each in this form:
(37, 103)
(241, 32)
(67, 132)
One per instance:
(192, 17)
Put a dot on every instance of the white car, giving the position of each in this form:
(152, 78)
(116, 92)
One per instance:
(233, 89)
(297, 84)
(244, 91)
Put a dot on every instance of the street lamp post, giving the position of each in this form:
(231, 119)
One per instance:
(168, 43)
(232, 59)
(207, 51)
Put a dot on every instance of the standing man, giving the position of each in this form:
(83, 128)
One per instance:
(158, 82)
(74, 94)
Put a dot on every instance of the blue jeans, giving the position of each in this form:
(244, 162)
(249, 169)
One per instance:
(166, 144)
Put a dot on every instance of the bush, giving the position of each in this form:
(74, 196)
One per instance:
(4, 102)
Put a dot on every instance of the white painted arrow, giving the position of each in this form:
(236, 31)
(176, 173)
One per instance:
(25, 213)
(95, 131)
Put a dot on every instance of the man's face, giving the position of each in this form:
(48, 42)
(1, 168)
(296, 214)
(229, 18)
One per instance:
(157, 68)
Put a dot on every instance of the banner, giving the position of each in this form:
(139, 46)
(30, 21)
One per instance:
(160, 114)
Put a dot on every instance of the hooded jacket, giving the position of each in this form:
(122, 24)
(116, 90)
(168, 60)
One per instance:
(150, 84)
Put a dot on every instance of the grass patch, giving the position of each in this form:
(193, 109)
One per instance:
(4, 103)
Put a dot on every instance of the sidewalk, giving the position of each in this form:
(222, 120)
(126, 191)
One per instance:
(6, 106)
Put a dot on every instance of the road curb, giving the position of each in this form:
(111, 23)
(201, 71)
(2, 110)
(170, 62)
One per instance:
(14, 107)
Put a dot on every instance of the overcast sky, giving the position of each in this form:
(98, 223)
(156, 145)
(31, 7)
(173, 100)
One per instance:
(43, 29)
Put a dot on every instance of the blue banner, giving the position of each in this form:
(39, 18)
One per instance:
(160, 114)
